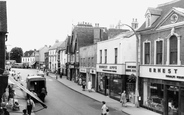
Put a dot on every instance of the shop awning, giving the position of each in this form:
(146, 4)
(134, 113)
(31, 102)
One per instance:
(27, 91)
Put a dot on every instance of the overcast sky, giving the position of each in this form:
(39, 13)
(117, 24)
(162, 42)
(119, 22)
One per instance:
(35, 23)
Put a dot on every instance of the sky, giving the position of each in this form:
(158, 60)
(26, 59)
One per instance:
(33, 24)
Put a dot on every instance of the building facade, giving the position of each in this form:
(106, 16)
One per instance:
(162, 60)
(83, 34)
(87, 66)
(3, 39)
(53, 57)
(116, 66)
(26, 59)
(42, 56)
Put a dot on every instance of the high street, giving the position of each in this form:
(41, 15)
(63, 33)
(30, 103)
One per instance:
(63, 101)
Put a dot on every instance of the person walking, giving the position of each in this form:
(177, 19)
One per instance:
(83, 85)
(30, 105)
(105, 110)
(123, 98)
(56, 74)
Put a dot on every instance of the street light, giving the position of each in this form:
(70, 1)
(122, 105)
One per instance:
(137, 66)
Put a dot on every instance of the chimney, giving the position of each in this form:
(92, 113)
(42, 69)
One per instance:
(96, 24)
(134, 23)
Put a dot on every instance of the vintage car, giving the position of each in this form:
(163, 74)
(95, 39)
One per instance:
(40, 73)
(37, 85)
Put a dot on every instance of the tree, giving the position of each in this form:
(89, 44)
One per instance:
(16, 54)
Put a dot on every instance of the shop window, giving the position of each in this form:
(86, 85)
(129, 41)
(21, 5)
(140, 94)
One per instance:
(159, 49)
(105, 55)
(173, 99)
(147, 53)
(173, 50)
(116, 55)
(100, 56)
(153, 96)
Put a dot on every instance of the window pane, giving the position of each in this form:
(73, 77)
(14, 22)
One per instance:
(147, 53)
(173, 50)
(159, 52)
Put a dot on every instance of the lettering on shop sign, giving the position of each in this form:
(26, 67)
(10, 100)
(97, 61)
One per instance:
(173, 76)
(163, 70)
(106, 67)
(131, 69)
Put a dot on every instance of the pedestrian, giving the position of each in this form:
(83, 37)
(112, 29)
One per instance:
(30, 105)
(5, 111)
(56, 74)
(104, 108)
(123, 98)
(24, 112)
(83, 85)
(43, 94)
(89, 86)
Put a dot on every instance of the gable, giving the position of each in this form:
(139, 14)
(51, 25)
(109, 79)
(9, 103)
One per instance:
(175, 16)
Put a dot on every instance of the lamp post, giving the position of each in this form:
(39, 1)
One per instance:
(137, 67)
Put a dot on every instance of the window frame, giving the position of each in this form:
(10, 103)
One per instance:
(173, 50)
(100, 56)
(105, 51)
(144, 57)
(115, 55)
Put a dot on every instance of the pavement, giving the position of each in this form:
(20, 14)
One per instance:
(130, 109)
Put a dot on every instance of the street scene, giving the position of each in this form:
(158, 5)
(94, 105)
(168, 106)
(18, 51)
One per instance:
(98, 58)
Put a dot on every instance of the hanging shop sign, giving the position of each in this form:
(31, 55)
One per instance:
(82, 70)
(107, 68)
(92, 71)
(130, 68)
(163, 72)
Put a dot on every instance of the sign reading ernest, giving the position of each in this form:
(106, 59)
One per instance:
(171, 73)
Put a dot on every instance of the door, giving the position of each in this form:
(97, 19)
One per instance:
(181, 101)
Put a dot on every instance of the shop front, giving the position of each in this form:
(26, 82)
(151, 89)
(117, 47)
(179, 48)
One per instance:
(92, 75)
(83, 74)
(71, 72)
(111, 80)
(162, 89)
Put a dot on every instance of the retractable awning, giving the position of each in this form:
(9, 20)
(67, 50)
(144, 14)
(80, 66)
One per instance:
(27, 91)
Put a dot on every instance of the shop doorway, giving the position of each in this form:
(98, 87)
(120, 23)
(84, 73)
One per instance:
(181, 101)
(173, 100)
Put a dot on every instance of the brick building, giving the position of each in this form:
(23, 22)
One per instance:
(162, 59)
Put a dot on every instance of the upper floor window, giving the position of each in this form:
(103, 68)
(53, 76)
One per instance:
(92, 61)
(159, 53)
(89, 62)
(173, 49)
(105, 55)
(116, 55)
(148, 20)
(100, 56)
(147, 53)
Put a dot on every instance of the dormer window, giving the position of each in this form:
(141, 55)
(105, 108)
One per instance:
(148, 20)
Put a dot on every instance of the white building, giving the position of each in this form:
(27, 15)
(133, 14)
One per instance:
(116, 65)
(42, 55)
(53, 56)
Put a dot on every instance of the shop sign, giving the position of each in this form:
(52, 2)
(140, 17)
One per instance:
(163, 72)
(118, 69)
(92, 71)
(130, 68)
(82, 70)
(71, 66)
